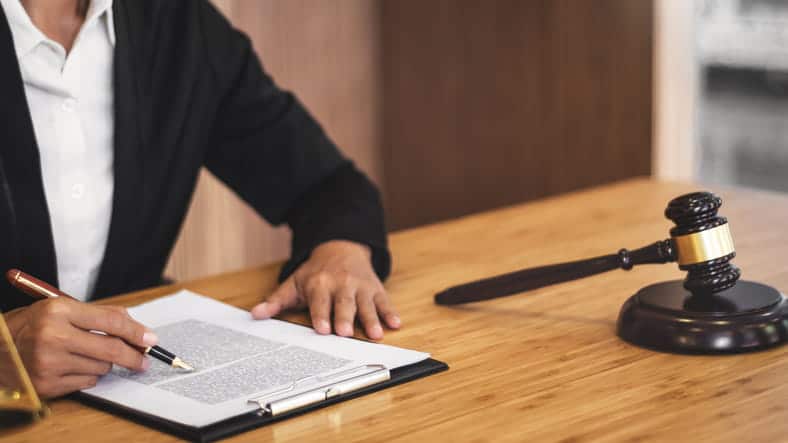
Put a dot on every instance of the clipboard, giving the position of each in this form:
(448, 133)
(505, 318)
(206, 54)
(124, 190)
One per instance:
(280, 404)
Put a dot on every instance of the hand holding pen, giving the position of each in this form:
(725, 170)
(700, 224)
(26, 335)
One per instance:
(58, 341)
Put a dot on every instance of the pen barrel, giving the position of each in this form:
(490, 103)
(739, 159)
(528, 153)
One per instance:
(32, 286)
(160, 353)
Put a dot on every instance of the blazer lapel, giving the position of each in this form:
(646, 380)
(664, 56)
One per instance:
(124, 233)
(32, 248)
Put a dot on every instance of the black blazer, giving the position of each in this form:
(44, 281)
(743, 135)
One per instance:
(189, 92)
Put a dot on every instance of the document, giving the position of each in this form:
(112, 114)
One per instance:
(236, 359)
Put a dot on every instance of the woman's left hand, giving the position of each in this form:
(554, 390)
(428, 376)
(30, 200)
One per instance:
(337, 279)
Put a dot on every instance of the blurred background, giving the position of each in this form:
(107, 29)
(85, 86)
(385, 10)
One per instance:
(458, 106)
(742, 55)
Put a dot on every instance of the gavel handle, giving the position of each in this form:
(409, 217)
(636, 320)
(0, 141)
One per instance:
(533, 278)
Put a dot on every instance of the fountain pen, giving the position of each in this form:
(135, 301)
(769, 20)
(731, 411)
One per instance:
(41, 290)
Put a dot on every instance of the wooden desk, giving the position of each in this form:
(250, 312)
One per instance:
(546, 366)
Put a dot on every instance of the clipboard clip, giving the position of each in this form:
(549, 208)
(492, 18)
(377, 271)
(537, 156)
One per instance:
(273, 403)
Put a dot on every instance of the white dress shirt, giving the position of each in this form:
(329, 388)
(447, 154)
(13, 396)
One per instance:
(70, 97)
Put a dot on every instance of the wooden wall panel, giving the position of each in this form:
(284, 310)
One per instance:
(492, 102)
(328, 53)
(452, 106)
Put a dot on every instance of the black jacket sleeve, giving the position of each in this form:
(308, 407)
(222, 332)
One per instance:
(276, 157)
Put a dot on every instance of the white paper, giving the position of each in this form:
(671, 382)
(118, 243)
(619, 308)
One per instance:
(237, 358)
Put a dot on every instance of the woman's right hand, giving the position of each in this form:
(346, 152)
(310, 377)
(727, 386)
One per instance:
(62, 355)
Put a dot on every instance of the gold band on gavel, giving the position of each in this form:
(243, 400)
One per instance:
(704, 246)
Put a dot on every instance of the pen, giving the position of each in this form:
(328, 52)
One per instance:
(41, 290)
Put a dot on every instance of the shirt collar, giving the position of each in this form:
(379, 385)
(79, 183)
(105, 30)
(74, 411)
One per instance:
(102, 10)
(27, 36)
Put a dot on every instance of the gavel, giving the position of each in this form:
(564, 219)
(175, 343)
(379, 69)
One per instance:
(710, 312)
(700, 242)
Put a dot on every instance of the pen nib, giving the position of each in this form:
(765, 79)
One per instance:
(178, 363)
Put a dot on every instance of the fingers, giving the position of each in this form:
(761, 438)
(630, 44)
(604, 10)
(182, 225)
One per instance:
(115, 321)
(386, 310)
(62, 356)
(370, 304)
(285, 297)
(344, 311)
(79, 365)
(58, 373)
(338, 283)
(65, 385)
(108, 349)
(368, 315)
(77, 382)
(320, 309)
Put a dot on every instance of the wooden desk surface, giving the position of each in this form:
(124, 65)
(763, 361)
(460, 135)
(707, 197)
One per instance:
(546, 366)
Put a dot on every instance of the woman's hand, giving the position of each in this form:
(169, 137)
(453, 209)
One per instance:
(337, 279)
(60, 353)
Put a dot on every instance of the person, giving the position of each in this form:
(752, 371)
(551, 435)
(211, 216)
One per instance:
(109, 110)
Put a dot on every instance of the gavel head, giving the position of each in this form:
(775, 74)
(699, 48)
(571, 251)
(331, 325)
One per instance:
(702, 243)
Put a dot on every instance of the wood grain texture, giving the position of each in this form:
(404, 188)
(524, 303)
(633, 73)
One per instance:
(489, 103)
(327, 53)
(546, 366)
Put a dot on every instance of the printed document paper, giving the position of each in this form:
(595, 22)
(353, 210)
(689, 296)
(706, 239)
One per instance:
(236, 359)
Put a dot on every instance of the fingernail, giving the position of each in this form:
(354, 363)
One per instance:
(149, 339)
(376, 331)
(344, 329)
(145, 363)
(323, 327)
(395, 322)
(260, 310)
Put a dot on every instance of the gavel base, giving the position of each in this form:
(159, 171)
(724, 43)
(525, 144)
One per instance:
(747, 317)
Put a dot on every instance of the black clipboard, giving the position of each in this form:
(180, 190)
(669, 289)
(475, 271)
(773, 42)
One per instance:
(252, 420)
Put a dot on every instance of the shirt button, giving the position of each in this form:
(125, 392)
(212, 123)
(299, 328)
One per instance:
(77, 191)
(69, 105)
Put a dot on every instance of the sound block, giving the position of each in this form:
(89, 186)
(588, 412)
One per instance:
(747, 317)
